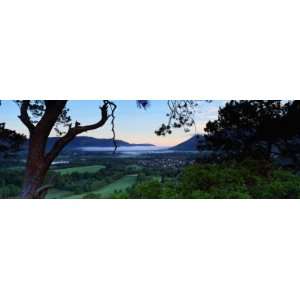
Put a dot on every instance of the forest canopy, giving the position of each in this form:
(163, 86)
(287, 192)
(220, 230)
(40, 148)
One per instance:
(256, 129)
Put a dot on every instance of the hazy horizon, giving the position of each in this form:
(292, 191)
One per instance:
(133, 125)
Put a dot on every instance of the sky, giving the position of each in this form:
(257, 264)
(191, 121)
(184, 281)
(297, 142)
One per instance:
(133, 125)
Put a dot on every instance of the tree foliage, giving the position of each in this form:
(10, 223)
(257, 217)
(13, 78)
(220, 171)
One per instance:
(181, 114)
(10, 140)
(228, 180)
(259, 128)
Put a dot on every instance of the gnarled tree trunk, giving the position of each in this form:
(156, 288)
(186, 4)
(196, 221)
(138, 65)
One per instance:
(38, 161)
(34, 178)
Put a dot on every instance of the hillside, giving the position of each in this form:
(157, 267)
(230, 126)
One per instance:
(86, 141)
(190, 144)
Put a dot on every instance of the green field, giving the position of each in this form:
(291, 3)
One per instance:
(83, 169)
(119, 185)
(19, 168)
(135, 167)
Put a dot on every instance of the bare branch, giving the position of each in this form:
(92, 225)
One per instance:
(77, 129)
(181, 115)
(104, 117)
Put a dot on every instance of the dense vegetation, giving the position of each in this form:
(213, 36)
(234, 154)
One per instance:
(249, 179)
(266, 129)
(126, 178)
(10, 141)
(93, 176)
(10, 182)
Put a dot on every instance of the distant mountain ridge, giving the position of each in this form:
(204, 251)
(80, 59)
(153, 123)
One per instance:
(86, 141)
(190, 144)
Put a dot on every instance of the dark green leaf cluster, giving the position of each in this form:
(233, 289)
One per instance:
(10, 141)
(258, 128)
(10, 183)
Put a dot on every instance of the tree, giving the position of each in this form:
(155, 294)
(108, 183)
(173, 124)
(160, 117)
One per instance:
(42, 116)
(10, 140)
(289, 130)
(180, 115)
(254, 128)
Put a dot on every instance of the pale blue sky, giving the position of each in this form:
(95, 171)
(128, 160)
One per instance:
(132, 124)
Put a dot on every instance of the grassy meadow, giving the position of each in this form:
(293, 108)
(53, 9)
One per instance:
(82, 169)
(119, 185)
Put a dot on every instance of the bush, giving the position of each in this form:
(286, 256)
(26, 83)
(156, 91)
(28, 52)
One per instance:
(147, 190)
(284, 185)
(92, 196)
(9, 191)
(120, 195)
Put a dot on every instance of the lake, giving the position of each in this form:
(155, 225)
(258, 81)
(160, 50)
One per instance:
(129, 150)
(124, 148)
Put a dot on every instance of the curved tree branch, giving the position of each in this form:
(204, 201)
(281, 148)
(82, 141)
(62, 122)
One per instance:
(77, 129)
(104, 117)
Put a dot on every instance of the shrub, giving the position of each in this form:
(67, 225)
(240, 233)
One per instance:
(249, 179)
(92, 196)
(147, 190)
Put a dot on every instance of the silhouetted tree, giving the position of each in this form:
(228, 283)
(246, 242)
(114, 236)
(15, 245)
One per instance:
(41, 117)
(259, 128)
(10, 140)
(181, 114)
(289, 130)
